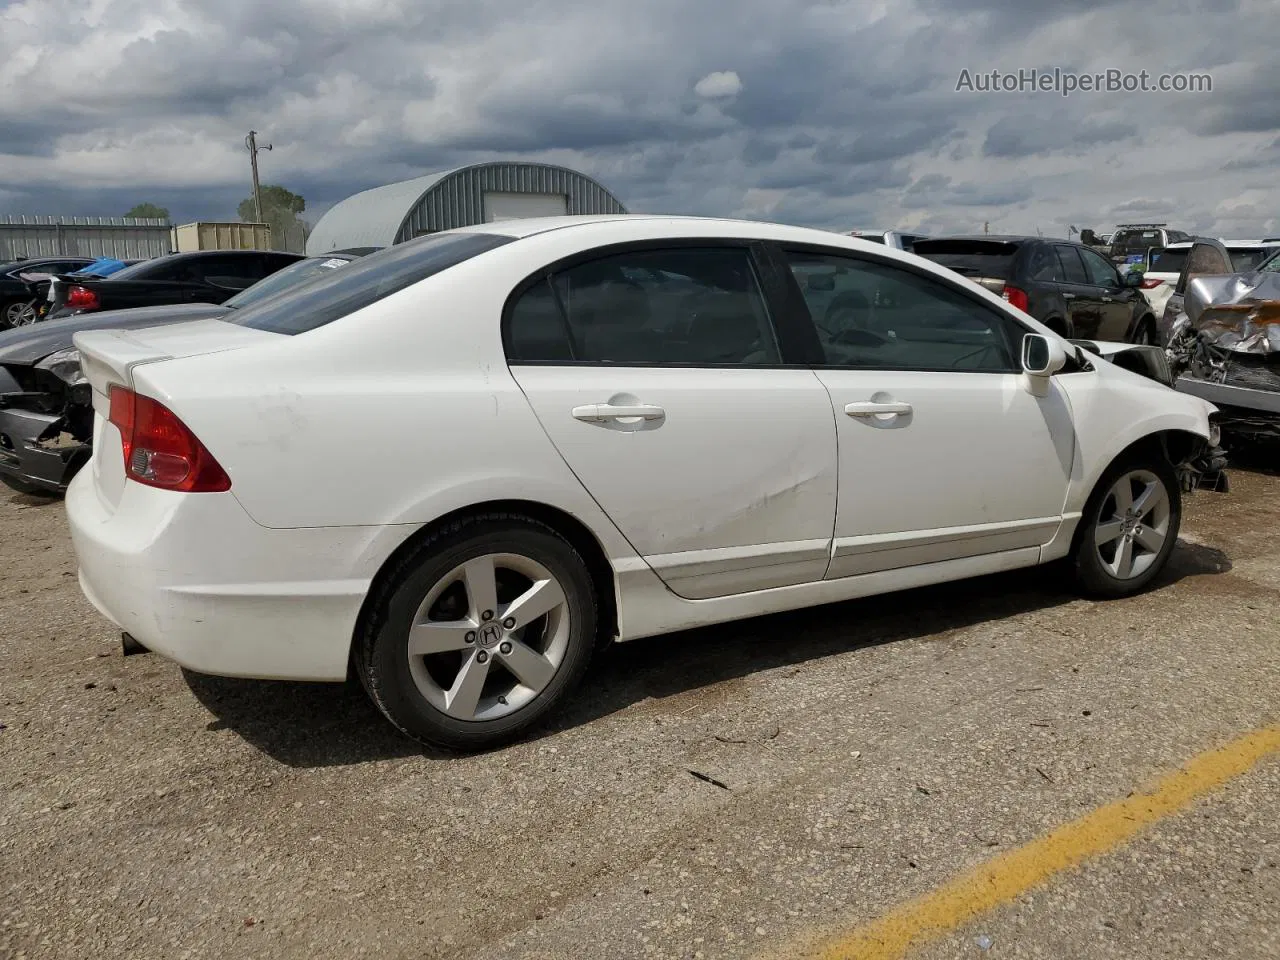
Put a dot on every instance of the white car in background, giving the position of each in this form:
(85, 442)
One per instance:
(457, 464)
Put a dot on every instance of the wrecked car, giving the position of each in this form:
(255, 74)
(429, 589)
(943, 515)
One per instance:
(46, 413)
(1224, 344)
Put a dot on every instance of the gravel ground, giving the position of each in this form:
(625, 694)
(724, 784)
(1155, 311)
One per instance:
(864, 753)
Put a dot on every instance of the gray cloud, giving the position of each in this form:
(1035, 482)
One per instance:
(840, 117)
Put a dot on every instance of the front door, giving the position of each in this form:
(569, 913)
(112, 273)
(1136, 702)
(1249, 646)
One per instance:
(658, 376)
(943, 452)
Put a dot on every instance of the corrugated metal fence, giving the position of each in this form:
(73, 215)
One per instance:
(125, 238)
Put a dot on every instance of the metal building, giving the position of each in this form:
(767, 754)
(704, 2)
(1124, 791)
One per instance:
(125, 238)
(479, 193)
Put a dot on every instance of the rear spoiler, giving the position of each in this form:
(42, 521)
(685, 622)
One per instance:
(108, 357)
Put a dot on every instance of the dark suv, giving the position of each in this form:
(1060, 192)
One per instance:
(1070, 288)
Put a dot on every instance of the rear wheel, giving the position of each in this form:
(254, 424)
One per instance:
(480, 633)
(1145, 335)
(9, 312)
(1129, 527)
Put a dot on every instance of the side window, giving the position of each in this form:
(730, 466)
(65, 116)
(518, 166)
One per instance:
(1101, 273)
(1203, 260)
(873, 315)
(1073, 270)
(237, 272)
(1043, 264)
(698, 306)
(180, 271)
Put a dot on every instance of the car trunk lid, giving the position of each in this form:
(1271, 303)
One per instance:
(110, 357)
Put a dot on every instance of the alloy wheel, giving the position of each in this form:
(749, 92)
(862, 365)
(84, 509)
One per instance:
(1133, 524)
(489, 637)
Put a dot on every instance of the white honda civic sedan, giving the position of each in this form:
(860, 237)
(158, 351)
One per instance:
(454, 467)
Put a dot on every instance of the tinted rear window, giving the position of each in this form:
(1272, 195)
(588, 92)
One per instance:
(282, 280)
(325, 299)
(1247, 259)
(1135, 241)
(1164, 260)
(971, 258)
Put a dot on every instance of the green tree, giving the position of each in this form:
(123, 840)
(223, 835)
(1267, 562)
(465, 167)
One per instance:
(149, 210)
(280, 209)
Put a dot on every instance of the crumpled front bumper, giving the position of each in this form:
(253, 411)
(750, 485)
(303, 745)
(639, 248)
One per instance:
(35, 451)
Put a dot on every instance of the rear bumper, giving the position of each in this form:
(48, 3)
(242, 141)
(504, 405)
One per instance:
(24, 456)
(194, 579)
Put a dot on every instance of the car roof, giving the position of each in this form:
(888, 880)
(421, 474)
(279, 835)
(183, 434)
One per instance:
(994, 237)
(682, 226)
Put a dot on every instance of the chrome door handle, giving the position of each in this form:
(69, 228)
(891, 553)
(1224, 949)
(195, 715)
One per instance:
(600, 412)
(868, 408)
(1107, 300)
(1068, 296)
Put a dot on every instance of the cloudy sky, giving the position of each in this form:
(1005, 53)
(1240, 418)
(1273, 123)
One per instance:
(833, 113)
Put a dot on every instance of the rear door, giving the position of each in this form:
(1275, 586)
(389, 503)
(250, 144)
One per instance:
(662, 379)
(1084, 304)
(224, 275)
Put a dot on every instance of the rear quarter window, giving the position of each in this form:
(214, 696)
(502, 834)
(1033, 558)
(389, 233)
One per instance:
(373, 278)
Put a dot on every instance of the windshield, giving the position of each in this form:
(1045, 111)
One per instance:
(335, 295)
(1247, 259)
(1164, 260)
(971, 258)
(1272, 264)
(282, 280)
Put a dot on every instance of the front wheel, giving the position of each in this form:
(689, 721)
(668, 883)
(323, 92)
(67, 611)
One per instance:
(480, 633)
(1129, 527)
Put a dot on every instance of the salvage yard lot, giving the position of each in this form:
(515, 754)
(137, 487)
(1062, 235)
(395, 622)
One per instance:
(851, 758)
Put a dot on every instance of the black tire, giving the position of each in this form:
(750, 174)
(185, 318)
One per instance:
(1144, 334)
(1058, 326)
(5, 306)
(1092, 575)
(382, 660)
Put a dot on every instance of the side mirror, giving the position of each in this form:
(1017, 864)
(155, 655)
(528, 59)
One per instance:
(1042, 357)
(1131, 279)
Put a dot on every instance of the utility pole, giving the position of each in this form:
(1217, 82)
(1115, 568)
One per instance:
(251, 142)
(986, 227)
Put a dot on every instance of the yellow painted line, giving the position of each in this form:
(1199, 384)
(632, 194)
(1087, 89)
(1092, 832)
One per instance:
(1006, 877)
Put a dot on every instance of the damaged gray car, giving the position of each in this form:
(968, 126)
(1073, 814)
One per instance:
(1223, 341)
(46, 412)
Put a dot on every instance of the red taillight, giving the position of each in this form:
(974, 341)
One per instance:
(82, 298)
(1015, 296)
(159, 449)
(1151, 284)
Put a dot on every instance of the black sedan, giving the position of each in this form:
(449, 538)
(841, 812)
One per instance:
(14, 294)
(211, 276)
(46, 416)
